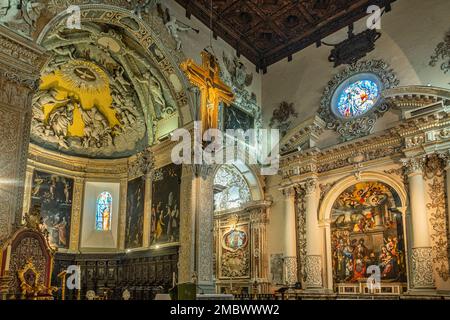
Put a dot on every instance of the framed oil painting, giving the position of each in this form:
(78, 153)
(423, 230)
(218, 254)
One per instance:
(53, 194)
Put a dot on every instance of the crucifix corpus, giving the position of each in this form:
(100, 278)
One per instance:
(212, 89)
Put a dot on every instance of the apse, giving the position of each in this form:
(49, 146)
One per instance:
(100, 96)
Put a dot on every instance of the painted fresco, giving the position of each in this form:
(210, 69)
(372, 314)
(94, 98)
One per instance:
(53, 194)
(135, 213)
(367, 230)
(165, 220)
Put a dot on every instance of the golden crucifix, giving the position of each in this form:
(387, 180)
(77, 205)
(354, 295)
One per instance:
(212, 89)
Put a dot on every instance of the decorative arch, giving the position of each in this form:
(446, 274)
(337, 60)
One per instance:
(324, 213)
(249, 177)
(154, 44)
(341, 185)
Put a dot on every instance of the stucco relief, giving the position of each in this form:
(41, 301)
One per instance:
(422, 268)
(313, 270)
(437, 207)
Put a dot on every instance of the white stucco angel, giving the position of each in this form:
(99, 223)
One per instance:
(174, 26)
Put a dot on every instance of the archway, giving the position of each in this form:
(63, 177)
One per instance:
(239, 231)
(371, 208)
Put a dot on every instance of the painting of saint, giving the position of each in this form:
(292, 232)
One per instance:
(135, 213)
(165, 214)
(367, 230)
(53, 194)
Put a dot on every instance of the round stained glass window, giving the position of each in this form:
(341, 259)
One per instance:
(356, 96)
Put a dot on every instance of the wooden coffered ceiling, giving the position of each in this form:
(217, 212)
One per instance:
(267, 31)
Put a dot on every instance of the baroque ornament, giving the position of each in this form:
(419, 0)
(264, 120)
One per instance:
(354, 47)
(99, 96)
(434, 172)
(239, 80)
(442, 52)
(366, 79)
(282, 117)
(21, 15)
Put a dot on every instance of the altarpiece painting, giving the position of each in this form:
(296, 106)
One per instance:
(367, 230)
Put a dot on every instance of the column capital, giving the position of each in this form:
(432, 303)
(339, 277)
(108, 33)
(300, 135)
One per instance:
(288, 192)
(414, 166)
(310, 186)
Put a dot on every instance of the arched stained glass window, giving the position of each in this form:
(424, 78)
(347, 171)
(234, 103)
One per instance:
(104, 212)
(231, 189)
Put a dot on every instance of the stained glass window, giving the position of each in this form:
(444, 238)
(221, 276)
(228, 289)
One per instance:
(232, 190)
(357, 98)
(104, 212)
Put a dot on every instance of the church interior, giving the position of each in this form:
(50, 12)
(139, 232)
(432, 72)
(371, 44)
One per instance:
(109, 189)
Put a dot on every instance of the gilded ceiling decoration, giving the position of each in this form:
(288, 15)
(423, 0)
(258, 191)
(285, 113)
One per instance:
(267, 31)
(100, 96)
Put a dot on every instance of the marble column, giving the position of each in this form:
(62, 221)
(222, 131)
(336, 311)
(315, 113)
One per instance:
(204, 181)
(421, 260)
(313, 263)
(186, 264)
(20, 64)
(290, 239)
(146, 234)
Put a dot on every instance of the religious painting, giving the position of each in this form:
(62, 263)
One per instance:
(135, 213)
(235, 240)
(235, 257)
(103, 216)
(53, 194)
(237, 119)
(165, 219)
(367, 230)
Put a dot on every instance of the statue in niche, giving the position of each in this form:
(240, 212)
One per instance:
(282, 117)
(174, 26)
(238, 72)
